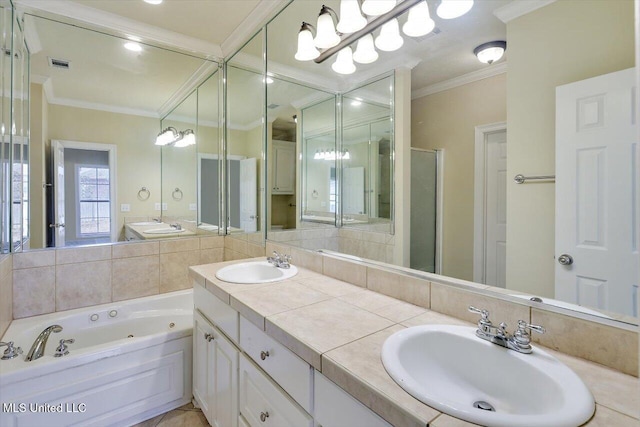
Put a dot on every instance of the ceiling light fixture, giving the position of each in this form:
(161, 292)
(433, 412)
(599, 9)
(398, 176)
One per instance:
(490, 52)
(133, 47)
(450, 9)
(381, 13)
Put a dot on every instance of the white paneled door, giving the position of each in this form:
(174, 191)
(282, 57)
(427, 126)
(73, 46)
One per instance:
(596, 199)
(496, 209)
(59, 193)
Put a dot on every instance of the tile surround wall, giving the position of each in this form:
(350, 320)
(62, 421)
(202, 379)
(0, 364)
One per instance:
(6, 292)
(615, 347)
(49, 280)
(45, 281)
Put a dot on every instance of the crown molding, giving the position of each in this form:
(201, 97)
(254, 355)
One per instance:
(258, 17)
(101, 107)
(518, 8)
(464, 79)
(199, 76)
(99, 18)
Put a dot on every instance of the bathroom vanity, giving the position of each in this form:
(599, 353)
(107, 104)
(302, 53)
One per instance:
(306, 351)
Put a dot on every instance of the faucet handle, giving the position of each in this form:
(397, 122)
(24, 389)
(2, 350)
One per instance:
(522, 338)
(484, 323)
(11, 351)
(523, 326)
(62, 349)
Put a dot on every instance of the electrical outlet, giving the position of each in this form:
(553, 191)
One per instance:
(156, 206)
(193, 207)
(164, 207)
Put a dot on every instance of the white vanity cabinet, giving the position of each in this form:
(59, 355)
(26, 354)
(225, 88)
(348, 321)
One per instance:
(334, 407)
(263, 403)
(215, 367)
(283, 167)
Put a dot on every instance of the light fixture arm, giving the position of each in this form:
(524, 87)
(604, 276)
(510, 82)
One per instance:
(369, 28)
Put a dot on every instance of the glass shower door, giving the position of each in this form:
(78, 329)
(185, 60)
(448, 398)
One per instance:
(423, 209)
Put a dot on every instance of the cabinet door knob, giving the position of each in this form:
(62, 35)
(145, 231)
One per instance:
(264, 416)
(263, 356)
(208, 337)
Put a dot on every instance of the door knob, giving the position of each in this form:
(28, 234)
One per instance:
(565, 259)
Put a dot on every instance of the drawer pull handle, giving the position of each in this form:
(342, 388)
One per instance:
(208, 337)
(263, 356)
(264, 416)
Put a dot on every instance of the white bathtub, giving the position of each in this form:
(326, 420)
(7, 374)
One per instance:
(130, 361)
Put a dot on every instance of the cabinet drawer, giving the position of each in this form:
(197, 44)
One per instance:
(263, 403)
(334, 407)
(293, 374)
(218, 312)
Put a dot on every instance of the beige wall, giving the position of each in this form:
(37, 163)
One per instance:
(447, 120)
(563, 42)
(138, 159)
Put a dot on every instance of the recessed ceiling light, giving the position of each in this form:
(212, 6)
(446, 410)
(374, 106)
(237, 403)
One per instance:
(153, 1)
(134, 47)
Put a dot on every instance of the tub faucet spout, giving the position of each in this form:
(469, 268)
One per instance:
(37, 349)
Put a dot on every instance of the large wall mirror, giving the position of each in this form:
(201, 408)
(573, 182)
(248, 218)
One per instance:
(472, 221)
(100, 101)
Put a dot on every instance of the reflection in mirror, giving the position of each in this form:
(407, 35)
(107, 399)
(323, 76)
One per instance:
(95, 94)
(319, 178)
(14, 133)
(366, 154)
(455, 98)
(245, 165)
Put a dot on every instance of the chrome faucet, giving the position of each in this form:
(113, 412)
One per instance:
(279, 260)
(520, 341)
(176, 226)
(37, 349)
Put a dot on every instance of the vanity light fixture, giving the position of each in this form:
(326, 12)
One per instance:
(154, 2)
(490, 52)
(186, 138)
(344, 62)
(331, 155)
(381, 13)
(450, 9)
(326, 35)
(419, 22)
(167, 136)
(389, 38)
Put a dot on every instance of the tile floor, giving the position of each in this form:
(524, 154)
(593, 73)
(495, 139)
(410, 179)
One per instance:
(184, 416)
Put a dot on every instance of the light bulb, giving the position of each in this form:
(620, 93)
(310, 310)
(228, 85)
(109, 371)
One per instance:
(419, 22)
(167, 136)
(389, 38)
(365, 52)
(344, 62)
(306, 49)
(351, 20)
(187, 138)
(377, 7)
(134, 47)
(450, 9)
(326, 36)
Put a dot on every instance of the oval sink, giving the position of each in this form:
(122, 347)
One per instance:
(455, 372)
(255, 272)
(167, 230)
(141, 223)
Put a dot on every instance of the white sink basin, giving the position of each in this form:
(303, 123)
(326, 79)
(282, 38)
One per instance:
(167, 230)
(255, 272)
(450, 369)
(141, 223)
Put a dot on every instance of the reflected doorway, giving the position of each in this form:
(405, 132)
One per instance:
(82, 194)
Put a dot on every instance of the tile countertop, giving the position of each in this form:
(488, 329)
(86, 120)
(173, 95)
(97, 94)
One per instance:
(139, 230)
(339, 329)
